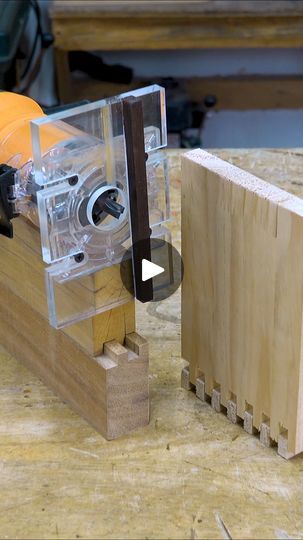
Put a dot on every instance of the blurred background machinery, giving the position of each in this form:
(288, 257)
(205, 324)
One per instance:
(13, 16)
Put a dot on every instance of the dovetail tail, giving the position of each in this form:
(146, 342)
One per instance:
(248, 420)
(137, 344)
(283, 444)
(216, 398)
(185, 379)
(265, 437)
(200, 387)
(231, 409)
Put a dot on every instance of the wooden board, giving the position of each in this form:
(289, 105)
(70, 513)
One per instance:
(110, 391)
(242, 297)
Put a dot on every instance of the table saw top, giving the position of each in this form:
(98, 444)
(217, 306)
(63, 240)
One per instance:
(189, 474)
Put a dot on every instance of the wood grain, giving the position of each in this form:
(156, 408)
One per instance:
(242, 296)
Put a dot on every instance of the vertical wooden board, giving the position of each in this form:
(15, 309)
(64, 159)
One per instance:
(242, 292)
(288, 327)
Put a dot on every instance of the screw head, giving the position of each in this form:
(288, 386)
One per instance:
(210, 101)
(73, 180)
(47, 40)
(79, 258)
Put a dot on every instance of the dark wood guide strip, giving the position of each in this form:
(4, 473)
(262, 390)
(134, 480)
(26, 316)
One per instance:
(138, 198)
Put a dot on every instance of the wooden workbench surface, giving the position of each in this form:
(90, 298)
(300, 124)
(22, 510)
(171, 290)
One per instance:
(184, 476)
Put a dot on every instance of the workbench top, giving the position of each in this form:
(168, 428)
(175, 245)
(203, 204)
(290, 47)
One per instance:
(184, 476)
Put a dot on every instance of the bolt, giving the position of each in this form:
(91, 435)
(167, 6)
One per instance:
(210, 101)
(79, 258)
(73, 180)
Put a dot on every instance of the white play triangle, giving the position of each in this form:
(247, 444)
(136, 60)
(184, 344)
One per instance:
(150, 270)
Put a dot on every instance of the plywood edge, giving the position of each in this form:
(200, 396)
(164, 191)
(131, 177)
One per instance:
(246, 180)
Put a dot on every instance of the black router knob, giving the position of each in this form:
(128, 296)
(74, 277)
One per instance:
(113, 208)
(107, 204)
(210, 101)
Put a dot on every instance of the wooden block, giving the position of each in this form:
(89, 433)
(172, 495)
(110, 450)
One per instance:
(242, 302)
(116, 351)
(200, 389)
(283, 446)
(127, 389)
(137, 343)
(110, 391)
(265, 437)
(248, 423)
(216, 400)
(185, 380)
(232, 411)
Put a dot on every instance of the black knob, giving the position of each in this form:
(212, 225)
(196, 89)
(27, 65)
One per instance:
(47, 39)
(113, 208)
(210, 101)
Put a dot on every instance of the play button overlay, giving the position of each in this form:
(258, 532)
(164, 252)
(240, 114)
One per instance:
(159, 270)
(150, 270)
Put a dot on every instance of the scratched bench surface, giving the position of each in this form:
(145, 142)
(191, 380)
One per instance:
(189, 474)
